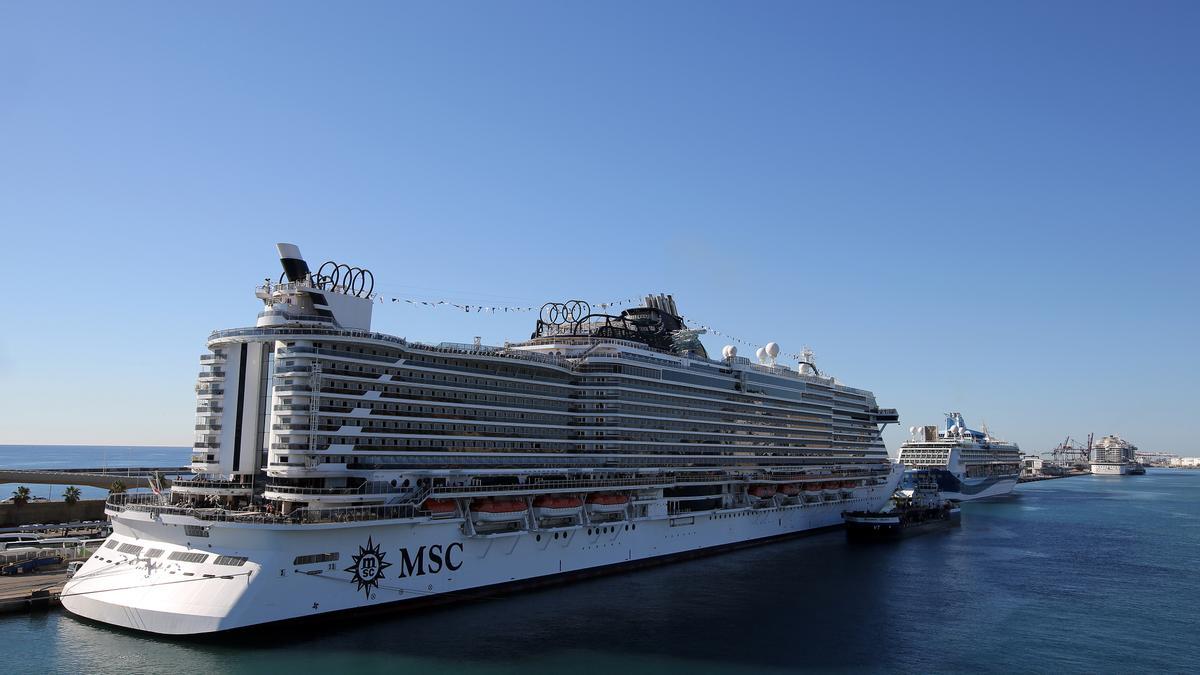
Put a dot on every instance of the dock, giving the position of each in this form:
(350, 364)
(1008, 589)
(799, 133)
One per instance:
(28, 592)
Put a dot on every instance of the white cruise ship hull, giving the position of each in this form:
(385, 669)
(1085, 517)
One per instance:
(960, 489)
(1108, 469)
(422, 561)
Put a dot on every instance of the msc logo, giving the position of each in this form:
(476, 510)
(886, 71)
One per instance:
(368, 567)
(430, 560)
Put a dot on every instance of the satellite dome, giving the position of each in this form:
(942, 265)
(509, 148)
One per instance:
(761, 354)
(729, 351)
(772, 349)
(912, 430)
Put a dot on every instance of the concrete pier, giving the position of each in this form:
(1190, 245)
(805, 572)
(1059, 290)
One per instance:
(29, 592)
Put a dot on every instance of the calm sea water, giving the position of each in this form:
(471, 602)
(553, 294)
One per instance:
(83, 456)
(1077, 575)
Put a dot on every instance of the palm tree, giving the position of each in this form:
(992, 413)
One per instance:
(21, 496)
(116, 488)
(71, 494)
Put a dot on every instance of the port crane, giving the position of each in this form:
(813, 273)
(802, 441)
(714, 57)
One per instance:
(1070, 454)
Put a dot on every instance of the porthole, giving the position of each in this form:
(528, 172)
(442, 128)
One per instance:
(539, 537)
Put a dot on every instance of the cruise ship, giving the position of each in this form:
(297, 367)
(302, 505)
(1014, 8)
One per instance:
(340, 470)
(1115, 456)
(968, 464)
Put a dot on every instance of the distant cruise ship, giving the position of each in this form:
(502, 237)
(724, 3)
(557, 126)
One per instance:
(339, 469)
(968, 464)
(1115, 456)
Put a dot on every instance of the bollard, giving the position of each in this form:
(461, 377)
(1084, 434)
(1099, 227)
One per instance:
(39, 601)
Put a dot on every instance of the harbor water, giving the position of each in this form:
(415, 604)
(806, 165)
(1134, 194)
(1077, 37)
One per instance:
(1082, 574)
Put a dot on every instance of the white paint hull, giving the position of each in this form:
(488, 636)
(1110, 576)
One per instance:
(423, 559)
(998, 488)
(1109, 469)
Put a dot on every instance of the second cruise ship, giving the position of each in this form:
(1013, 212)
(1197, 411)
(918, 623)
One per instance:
(1115, 456)
(968, 464)
(340, 470)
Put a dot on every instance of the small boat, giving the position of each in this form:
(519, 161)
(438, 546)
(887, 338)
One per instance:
(761, 491)
(439, 508)
(499, 510)
(607, 503)
(790, 490)
(550, 506)
(911, 512)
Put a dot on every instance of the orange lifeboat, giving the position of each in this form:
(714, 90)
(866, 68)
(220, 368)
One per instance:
(551, 506)
(607, 503)
(499, 510)
(439, 507)
(761, 491)
(790, 490)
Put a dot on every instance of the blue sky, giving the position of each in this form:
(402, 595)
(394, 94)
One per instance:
(985, 207)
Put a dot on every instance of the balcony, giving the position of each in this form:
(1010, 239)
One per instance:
(212, 359)
(209, 391)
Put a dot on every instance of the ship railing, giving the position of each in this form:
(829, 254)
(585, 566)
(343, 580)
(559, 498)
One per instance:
(153, 504)
(586, 485)
(347, 514)
(365, 489)
(216, 484)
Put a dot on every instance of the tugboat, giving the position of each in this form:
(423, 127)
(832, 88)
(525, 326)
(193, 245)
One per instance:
(921, 511)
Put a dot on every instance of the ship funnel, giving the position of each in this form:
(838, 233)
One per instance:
(293, 263)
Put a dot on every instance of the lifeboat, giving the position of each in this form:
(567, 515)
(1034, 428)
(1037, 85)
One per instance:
(499, 511)
(550, 506)
(831, 490)
(607, 503)
(790, 490)
(439, 508)
(761, 491)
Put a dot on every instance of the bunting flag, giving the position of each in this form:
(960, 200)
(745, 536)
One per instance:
(602, 307)
(492, 309)
(740, 341)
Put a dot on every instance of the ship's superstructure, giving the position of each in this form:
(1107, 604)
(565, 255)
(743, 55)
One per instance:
(339, 469)
(968, 464)
(1115, 456)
